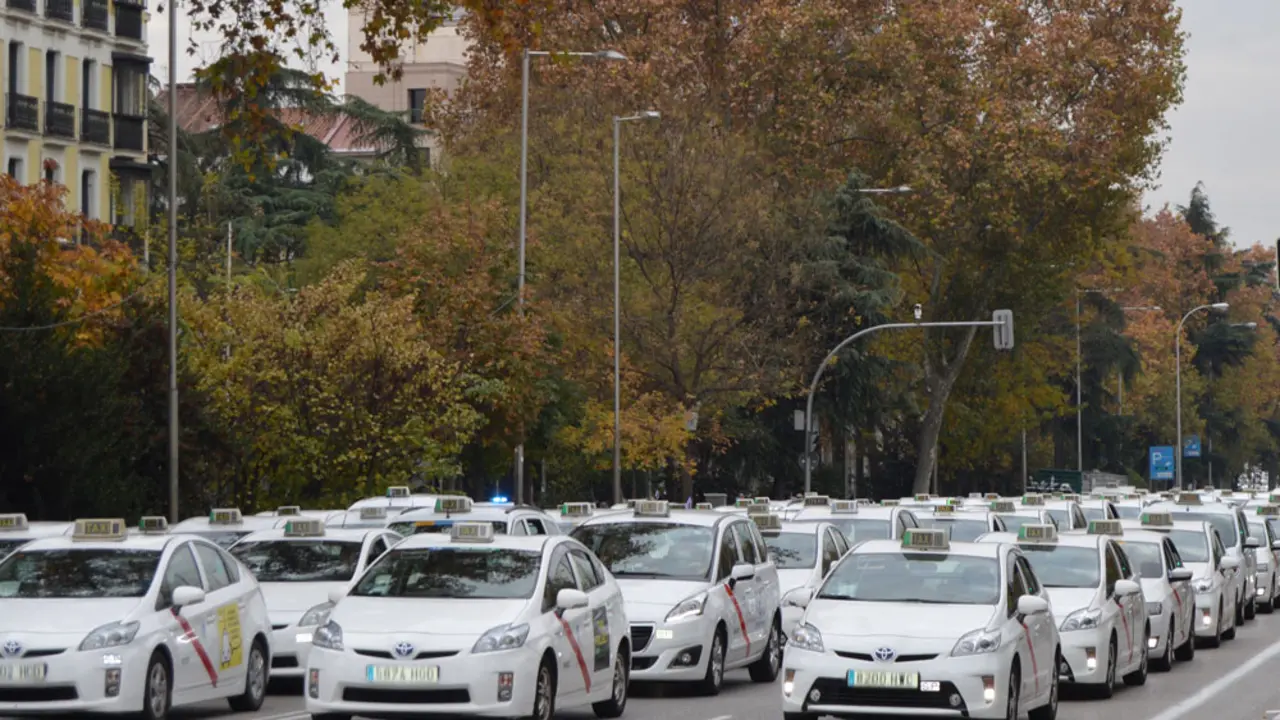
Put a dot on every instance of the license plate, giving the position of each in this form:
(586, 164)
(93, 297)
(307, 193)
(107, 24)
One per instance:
(403, 675)
(882, 679)
(23, 673)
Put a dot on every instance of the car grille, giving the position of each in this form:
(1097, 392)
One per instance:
(279, 626)
(37, 694)
(837, 692)
(642, 663)
(640, 637)
(866, 657)
(284, 661)
(406, 697)
(424, 655)
(41, 653)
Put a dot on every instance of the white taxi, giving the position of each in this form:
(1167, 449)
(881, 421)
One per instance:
(1067, 513)
(1166, 584)
(861, 522)
(701, 592)
(108, 623)
(573, 514)
(1262, 527)
(925, 627)
(1098, 601)
(1233, 529)
(1200, 550)
(803, 553)
(451, 509)
(297, 567)
(964, 524)
(15, 531)
(474, 623)
(1014, 516)
(224, 527)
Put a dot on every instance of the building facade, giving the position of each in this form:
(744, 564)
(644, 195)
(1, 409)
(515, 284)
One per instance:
(74, 104)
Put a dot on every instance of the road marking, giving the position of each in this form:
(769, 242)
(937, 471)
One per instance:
(1217, 686)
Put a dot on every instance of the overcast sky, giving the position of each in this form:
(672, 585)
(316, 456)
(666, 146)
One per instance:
(1224, 134)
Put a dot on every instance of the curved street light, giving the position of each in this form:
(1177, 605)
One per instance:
(1177, 373)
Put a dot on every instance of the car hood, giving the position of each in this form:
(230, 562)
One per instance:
(60, 623)
(651, 600)
(1065, 601)
(288, 601)
(1199, 569)
(853, 620)
(793, 578)
(428, 616)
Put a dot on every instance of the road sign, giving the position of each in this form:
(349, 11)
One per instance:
(1056, 480)
(1003, 330)
(1191, 446)
(1161, 462)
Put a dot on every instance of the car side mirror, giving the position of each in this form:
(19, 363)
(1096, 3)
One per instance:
(570, 599)
(1125, 588)
(800, 597)
(186, 596)
(1179, 575)
(337, 594)
(742, 571)
(1252, 543)
(1275, 545)
(1032, 605)
(1229, 563)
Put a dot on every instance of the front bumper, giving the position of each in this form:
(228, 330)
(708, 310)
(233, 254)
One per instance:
(1084, 657)
(77, 681)
(1205, 617)
(290, 647)
(975, 686)
(338, 682)
(1159, 636)
(1265, 584)
(674, 652)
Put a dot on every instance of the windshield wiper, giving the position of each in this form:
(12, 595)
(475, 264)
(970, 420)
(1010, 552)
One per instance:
(626, 573)
(837, 597)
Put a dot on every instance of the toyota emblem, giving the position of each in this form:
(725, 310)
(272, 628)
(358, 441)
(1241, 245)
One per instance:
(403, 650)
(884, 654)
(11, 648)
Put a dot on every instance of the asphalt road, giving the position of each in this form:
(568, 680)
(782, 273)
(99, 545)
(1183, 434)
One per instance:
(1235, 682)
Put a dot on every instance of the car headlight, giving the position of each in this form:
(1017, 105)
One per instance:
(689, 608)
(978, 642)
(806, 637)
(328, 635)
(503, 637)
(110, 635)
(1203, 585)
(1082, 620)
(1155, 608)
(318, 615)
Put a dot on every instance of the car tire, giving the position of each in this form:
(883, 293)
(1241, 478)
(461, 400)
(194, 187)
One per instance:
(1049, 711)
(711, 683)
(157, 694)
(765, 670)
(1011, 707)
(1138, 677)
(1187, 651)
(1230, 633)
(1251, 609)
(1239, 614)
(1164, 663)
(544, 694)
(1268, 607)
(257, 676)
(1108, 686)
(617, 702)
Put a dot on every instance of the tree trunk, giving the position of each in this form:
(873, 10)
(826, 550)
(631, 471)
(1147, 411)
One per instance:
(939, 379)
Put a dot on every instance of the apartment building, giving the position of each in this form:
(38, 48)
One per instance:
(74, 104)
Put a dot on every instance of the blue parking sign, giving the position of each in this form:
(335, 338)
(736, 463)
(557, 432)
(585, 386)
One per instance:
(1191, 446)
(1161, 461)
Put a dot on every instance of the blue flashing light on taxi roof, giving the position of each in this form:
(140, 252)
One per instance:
(652, 508)
(1189, 498)
(471, 532)
(99, 529)
(13, 521)
(925, 539)
(499, 499)
(1269, 510)
(1036, 533)
(1105, 527)
(1003, 506)
(1157, 519)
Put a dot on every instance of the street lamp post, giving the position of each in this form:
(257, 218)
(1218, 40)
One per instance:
(524, 195)
(1177, 374)
(617, 296)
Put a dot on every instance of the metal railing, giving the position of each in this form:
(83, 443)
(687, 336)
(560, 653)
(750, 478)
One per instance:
(22, 112)
(95, 126)
(59, 119)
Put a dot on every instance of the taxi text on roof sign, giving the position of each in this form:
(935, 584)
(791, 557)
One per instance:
(889, 502)
(703, 506)
(153, 524)
(767, 522)
(653, 508)
(99, 529)
(13, 521)
(947, 509)
(758, 507)
(1105, 527)
(1003, 506)
(1033, 499)
(310, 527)
(923, 497)
(1269, 510)
(844, 507)
(453, 504)
(993, 496)
(953, 501)
(1070, 497)
(817, 501)
(576, 509)
(742, 502)
(760, 500)
(225, 516)
(288, 511)
(1157, 519)
(925, 539)
(373, 513)
(1037, 533)
(476, 532)
(1189, 498)
(399, 491)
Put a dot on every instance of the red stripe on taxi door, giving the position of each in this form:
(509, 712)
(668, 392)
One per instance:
(1124, 619)
(742, 621)
(195, 643)
(577, 651)
(1031, 649)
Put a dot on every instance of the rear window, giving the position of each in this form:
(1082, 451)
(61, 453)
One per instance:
(1222, 522)
(793, 550)
(1192, 545)
(1064, 567)
(82, 573)
(453, 572)
(859, 529)
(300, 560)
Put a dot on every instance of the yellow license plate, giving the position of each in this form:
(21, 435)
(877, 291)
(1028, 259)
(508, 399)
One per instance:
(23, 672)
(882, 679)
(403, 675)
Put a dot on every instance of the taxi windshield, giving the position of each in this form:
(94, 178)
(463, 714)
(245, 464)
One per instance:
(1013, 522)
(1273, 522)
(1094, 513)
(8, 546)
(793, 550)
(936, 578)
(481, 573)
(962, 529)
(1192, 545)
(1064, 567)
(300, 560)
(1259, 533)
(418, 527)
(1128, 512)
(651, 550)
(1222, 522)
(79, 573)
(222, 538)
(1145, 558)
(858, 529)
(1062, 517)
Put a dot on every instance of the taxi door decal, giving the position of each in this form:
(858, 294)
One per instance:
(1124, 620)
(1031, 650)
(229, 637)
(577, 651)
(190, 636)
(742, 621)
(600, 631)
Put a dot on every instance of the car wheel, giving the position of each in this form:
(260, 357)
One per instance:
(1230, 633)
(1108, 687)
(1139, 677)
(1269, 606)
(1239, 614)
(544, 694)
(255, 682)
(1251, 609)
(766, 668)
(1049, 711)
(1187, 651)
(157, 694)
(1015, 691)
(1165, 661)
(617, 702)
(714, 679)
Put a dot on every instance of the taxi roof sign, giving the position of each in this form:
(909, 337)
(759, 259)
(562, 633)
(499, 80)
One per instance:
(890, 502)
(304, 527)
(153, 524)
(653, 508)
(1157, 519)
(947, 509)
(1037, 533)
(373, 513)
(742, 502)
(1034, 499)
(760, 500)
(844, 507)
(923, 497)
(758, 506)
(1189, 498)
(576, 509)
(399, 491)
(703, 506)
(453, 504)
(1069, 497)
(472, 532)
(225, 516)
(289, 511)
(99, 529)
(13, 521)
(767, 522)
(992, 496)
(817, 501)
(1269, 510)
(1105, 527)
(925, 539)
(1003, 506)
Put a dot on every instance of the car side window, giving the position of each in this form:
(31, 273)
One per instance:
(1242, 527)
(842, 543)
(746, 548)
(182, 571)
(762, 550)
(909, 520)
(1078, 517)
(830, 552)
(215, 571)
(1028, 576)
(232, 565)
(1113, 569)
(1218, 550)
(559, 577)
(376, 548)
(1014, 586)
(728, 555)
(535, 526)
(586, 571)
(1126, 571)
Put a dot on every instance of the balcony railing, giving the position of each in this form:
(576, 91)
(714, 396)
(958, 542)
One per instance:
(27, 5)
(130, 131)
(60, 10)
(95, 127)
(22, 112)
(93, 15)
(129, 21)
(59, 119)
